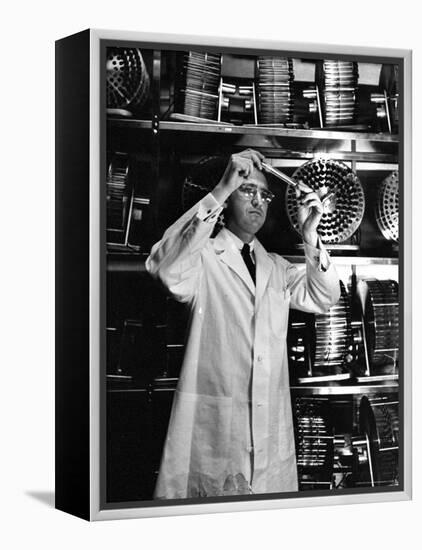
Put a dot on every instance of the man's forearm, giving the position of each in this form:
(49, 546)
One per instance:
(221, 193)
(311, 238)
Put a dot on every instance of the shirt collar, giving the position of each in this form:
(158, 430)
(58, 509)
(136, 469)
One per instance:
(238, 242)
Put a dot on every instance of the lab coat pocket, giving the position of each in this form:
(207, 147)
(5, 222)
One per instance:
(279, 300)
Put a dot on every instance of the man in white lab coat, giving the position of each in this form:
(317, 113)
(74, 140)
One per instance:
(231, 429)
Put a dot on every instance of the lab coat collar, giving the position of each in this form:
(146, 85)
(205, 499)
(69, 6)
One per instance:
(228, 252)
(238, 242)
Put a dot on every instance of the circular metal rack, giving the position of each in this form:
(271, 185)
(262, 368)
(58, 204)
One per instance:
(127, 78)
(379, 423)
(199, 82)
(332, 334)
(275, 94)
(387, 207)
(118, 192)
(382, 322)
(314, 442)
(339, 81)
(343, 213)
(319, 343)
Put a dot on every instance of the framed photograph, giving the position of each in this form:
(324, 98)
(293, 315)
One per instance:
(233, 274)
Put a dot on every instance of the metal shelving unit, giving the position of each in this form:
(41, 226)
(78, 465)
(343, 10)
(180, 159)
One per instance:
(362, 151)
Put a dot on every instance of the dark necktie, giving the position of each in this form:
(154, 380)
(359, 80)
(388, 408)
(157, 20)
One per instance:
(246, 255)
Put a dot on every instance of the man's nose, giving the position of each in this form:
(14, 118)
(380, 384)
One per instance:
(257, 199)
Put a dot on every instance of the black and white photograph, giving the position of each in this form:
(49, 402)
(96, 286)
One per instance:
(251, 243)
(211, 279)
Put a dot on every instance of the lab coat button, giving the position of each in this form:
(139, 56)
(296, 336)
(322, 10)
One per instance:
(259, 358)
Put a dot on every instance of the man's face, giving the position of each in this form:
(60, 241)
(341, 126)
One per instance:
(245, 216)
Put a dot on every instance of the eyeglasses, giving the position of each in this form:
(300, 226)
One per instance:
(250, 191)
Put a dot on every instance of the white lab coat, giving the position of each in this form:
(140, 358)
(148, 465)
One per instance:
(231, 430)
